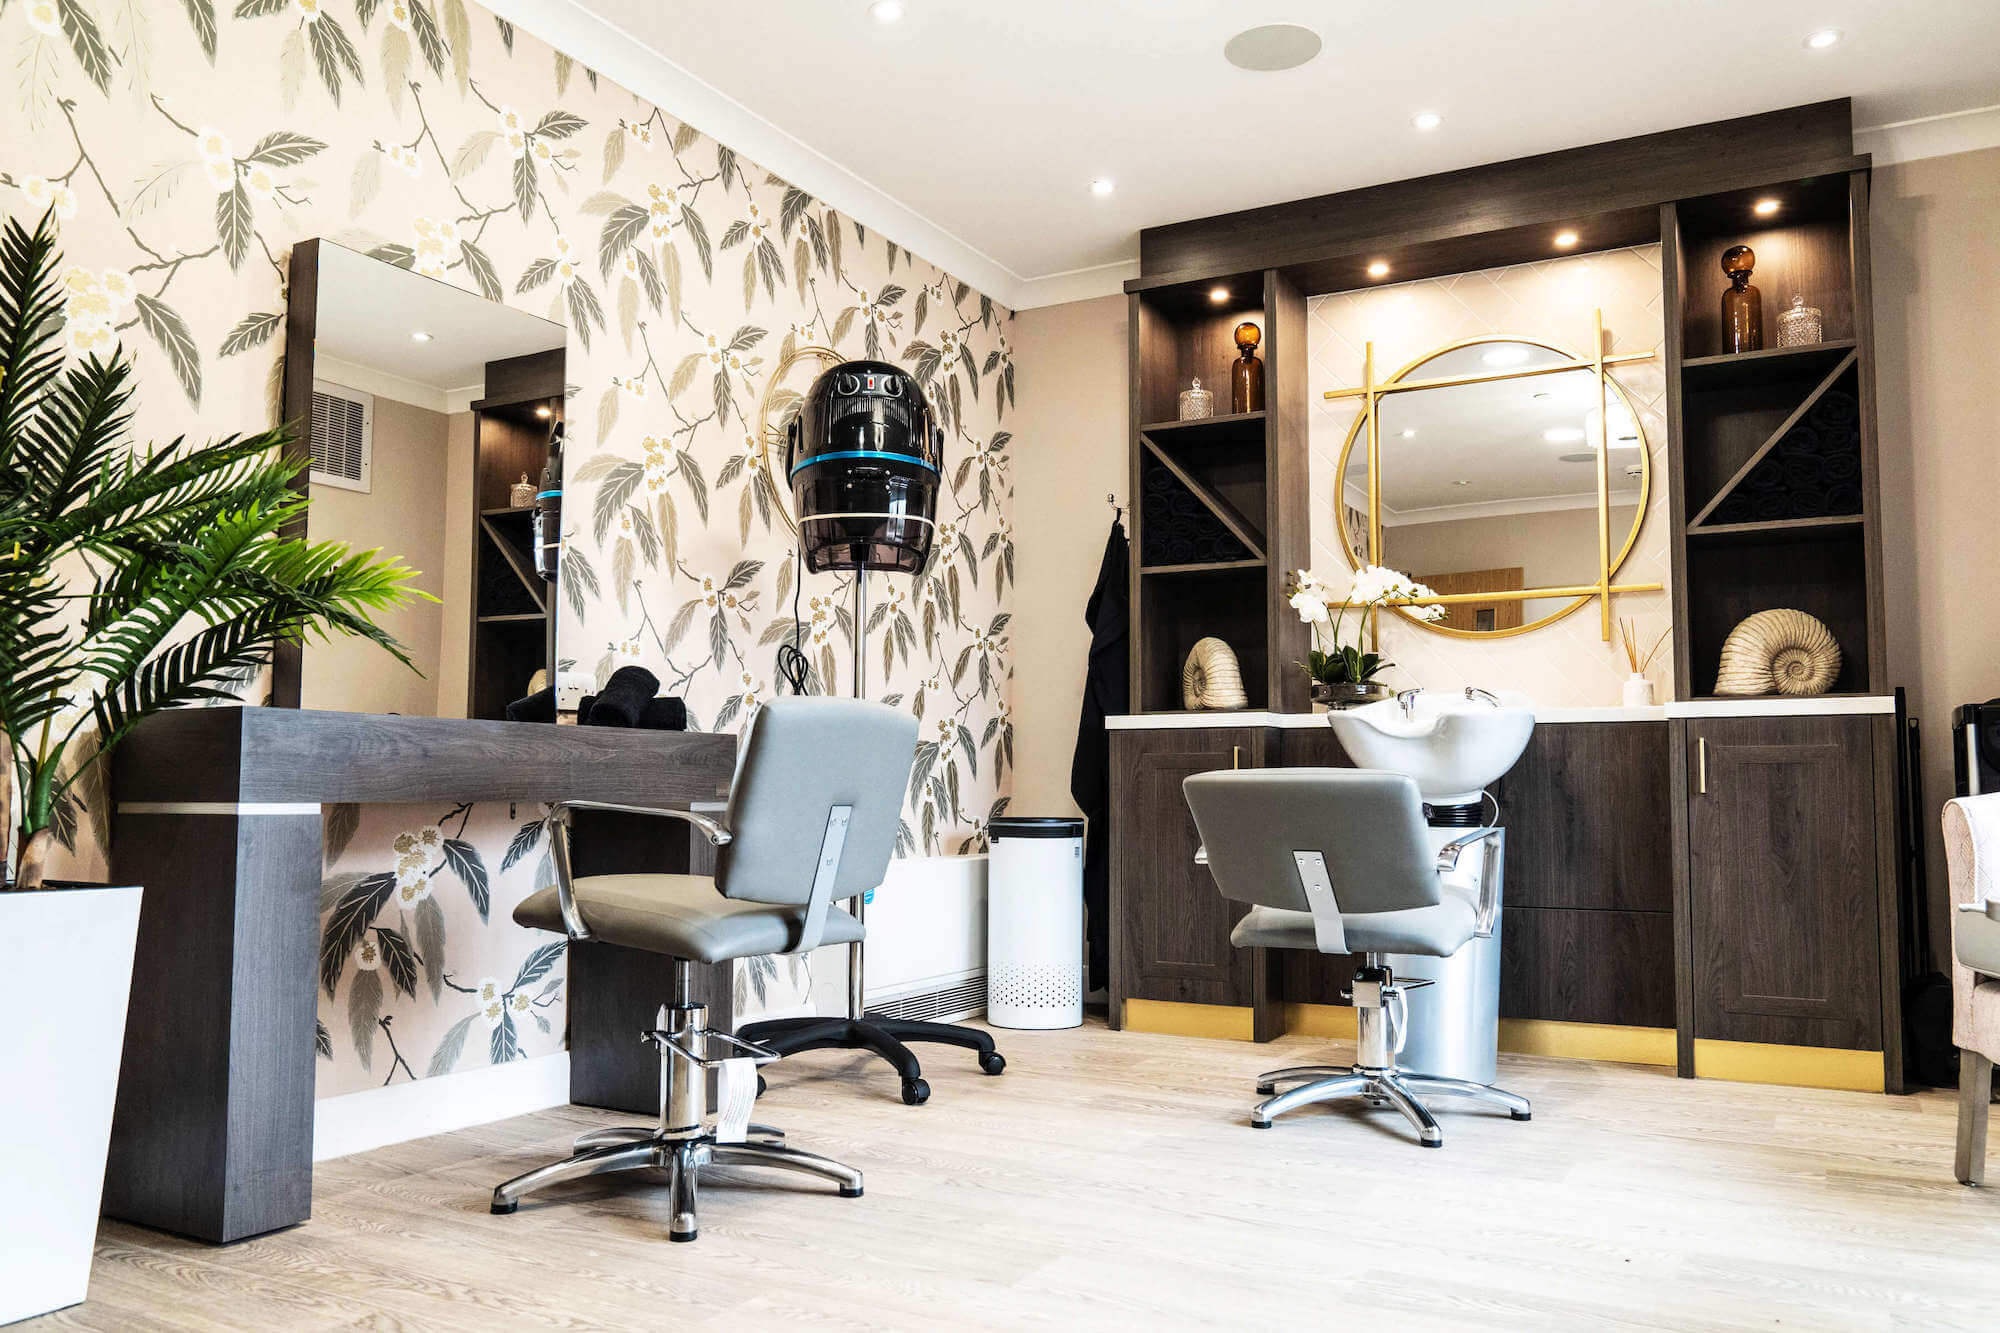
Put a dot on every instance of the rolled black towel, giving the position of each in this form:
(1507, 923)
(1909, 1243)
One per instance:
(623, 699)
(537, 707)
(1843, 497)
(1843, 466)
(1802, 471)
(665, 713)
(1808, 502)
(1804, 440)
(1836, 407)
(1765, 508)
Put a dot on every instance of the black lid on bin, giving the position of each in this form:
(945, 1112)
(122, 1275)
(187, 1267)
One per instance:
(1027, 826)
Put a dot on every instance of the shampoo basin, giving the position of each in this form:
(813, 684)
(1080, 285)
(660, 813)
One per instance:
(1452, 745)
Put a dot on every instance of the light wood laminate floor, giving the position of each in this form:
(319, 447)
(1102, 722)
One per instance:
(1111, 1180)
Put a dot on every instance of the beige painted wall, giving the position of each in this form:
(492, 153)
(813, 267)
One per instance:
(402, 513)
(1937, 323)
(1070, 450)
(454, 676)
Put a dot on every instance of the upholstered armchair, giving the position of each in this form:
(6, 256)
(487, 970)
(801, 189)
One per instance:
(1972, 850)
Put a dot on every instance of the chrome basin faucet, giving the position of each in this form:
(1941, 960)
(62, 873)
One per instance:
(1474, 692)
(1407, 701)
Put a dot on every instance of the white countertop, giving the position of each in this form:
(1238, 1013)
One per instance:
(1760, 707)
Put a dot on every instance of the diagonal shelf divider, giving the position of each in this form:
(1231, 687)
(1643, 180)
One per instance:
(529, 579)
(1232, 518)
(1771, 441)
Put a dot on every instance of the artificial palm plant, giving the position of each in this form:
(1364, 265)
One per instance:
(132, 582)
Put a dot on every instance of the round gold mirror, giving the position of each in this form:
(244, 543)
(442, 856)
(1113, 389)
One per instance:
(1489, 481)
(776, 407)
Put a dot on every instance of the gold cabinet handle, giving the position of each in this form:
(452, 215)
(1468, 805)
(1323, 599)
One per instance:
(1236, 756)
(1701, 765)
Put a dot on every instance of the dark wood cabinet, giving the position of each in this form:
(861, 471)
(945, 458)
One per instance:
(1783, 881)
(1169, 924)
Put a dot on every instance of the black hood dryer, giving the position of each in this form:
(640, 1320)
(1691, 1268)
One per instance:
(865, 457)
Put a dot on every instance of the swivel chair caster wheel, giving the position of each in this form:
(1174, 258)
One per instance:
(992, 1061)
(915, 1092)
(1266, 1089)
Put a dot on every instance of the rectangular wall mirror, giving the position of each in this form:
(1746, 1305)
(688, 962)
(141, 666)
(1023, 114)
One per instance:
(426, 407)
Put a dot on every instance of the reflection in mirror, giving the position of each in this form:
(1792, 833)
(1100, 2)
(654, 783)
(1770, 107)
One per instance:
(429, 406)
(1492, 486)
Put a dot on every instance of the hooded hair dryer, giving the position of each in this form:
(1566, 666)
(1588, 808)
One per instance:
(864, 457)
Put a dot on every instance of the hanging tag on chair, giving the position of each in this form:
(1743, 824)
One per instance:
(735, 1094)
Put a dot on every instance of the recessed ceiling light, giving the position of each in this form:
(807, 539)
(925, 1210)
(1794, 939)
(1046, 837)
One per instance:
(886, 11)
(419, 336)
(1822, 39)
(1409, 432)
(1763, 208)
(1272, 47)
(1505, 356)
(1461, 483)
(1427, 120)
(1563, 435)
(543, 412)
(1218, 294)
(1565, 239)
(1102, 187)
(1379, 269)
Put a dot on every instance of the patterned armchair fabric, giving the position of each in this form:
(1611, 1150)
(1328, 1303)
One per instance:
(1972, 851)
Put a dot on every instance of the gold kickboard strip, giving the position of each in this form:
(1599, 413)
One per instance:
(1792, 1066)
(1737, 1061)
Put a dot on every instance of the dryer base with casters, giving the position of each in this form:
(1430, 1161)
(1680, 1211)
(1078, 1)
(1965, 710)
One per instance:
(874, 1032)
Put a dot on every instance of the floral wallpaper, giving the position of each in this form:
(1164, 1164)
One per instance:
(185, 147)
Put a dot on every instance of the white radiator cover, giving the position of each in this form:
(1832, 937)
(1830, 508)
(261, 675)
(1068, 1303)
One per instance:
(927, 933)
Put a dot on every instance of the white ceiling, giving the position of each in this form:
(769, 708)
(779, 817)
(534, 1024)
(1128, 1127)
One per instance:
(971, 129)
(368, 309)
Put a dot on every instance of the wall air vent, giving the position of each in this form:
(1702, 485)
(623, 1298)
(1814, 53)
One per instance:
(961, 1000)
(343, 436)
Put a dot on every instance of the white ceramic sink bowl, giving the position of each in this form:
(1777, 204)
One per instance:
(1453, 746)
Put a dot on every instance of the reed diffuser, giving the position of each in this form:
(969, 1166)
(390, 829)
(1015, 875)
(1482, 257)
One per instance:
(1638, 687)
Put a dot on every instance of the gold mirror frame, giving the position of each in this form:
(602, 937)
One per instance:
(1371, 389)
(770, 439)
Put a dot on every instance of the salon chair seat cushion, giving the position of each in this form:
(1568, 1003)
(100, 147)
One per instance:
(1435, 932)
(1976, 936)
(682, 916)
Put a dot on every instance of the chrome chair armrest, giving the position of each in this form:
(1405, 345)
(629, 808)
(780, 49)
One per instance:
(1447, 856)
(558, 821)
(1489, 884)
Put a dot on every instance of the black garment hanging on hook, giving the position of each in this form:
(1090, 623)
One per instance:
(1106, 693)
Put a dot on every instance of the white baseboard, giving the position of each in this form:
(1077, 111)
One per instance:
(358, 1121)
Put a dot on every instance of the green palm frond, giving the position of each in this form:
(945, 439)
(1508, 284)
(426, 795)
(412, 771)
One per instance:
(132, 582)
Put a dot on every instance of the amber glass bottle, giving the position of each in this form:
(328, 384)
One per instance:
(1742, 305)
(1246, 377)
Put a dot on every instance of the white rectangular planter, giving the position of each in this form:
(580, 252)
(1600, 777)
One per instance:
(62, 1032)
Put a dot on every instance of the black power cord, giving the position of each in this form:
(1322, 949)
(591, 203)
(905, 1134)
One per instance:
(792, 663)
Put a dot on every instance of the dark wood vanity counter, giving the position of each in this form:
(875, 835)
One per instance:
(1639, 891)
(217, 814)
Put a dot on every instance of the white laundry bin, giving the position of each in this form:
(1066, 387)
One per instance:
(1034, 923)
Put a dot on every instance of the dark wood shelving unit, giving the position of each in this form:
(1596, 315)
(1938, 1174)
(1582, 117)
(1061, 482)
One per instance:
(513, 610)
(1773, 452)
(1218, 506)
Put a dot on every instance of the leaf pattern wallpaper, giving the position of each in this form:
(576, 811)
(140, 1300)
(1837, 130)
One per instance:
(184, 147)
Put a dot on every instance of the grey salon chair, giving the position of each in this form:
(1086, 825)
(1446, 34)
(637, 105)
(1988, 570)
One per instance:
(812, 818)
(1339, 861)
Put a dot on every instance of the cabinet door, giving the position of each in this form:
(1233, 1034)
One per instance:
(1781, 831)
(1170, 925)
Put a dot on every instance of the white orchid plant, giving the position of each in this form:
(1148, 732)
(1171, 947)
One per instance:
(1338, 663)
